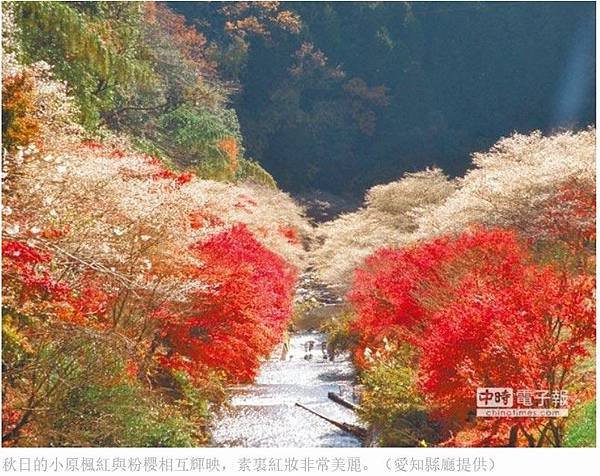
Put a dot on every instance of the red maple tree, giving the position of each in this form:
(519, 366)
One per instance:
(480, 313)
(240, 312)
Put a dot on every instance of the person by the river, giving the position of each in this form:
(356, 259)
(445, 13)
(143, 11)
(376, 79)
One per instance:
(309, 345)
(324, 350)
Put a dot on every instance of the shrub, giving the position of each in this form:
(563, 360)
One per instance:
(120, 415)
(251, 171)
(391, 402)
(581, 429)
(19, 125)
(341, 336)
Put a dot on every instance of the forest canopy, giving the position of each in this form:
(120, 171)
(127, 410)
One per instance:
(339, 96)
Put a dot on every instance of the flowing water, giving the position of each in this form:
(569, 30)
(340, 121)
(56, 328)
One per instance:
(263, 414)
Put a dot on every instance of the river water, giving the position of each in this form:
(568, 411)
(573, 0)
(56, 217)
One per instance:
(263, 414)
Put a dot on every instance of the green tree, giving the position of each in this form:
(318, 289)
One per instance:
(93, 46)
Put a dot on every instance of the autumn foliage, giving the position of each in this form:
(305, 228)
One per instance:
(240, 312)
(126, 279)
(482, 281)
(144, 273)
(19, 126)
(480, 313)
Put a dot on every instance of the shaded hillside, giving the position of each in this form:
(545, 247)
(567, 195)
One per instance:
(339, 96)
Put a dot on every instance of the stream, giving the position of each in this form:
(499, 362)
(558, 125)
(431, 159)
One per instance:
(263, 414)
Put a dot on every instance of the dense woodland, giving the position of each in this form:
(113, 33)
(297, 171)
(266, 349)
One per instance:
(150, 259)
(364, 91)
